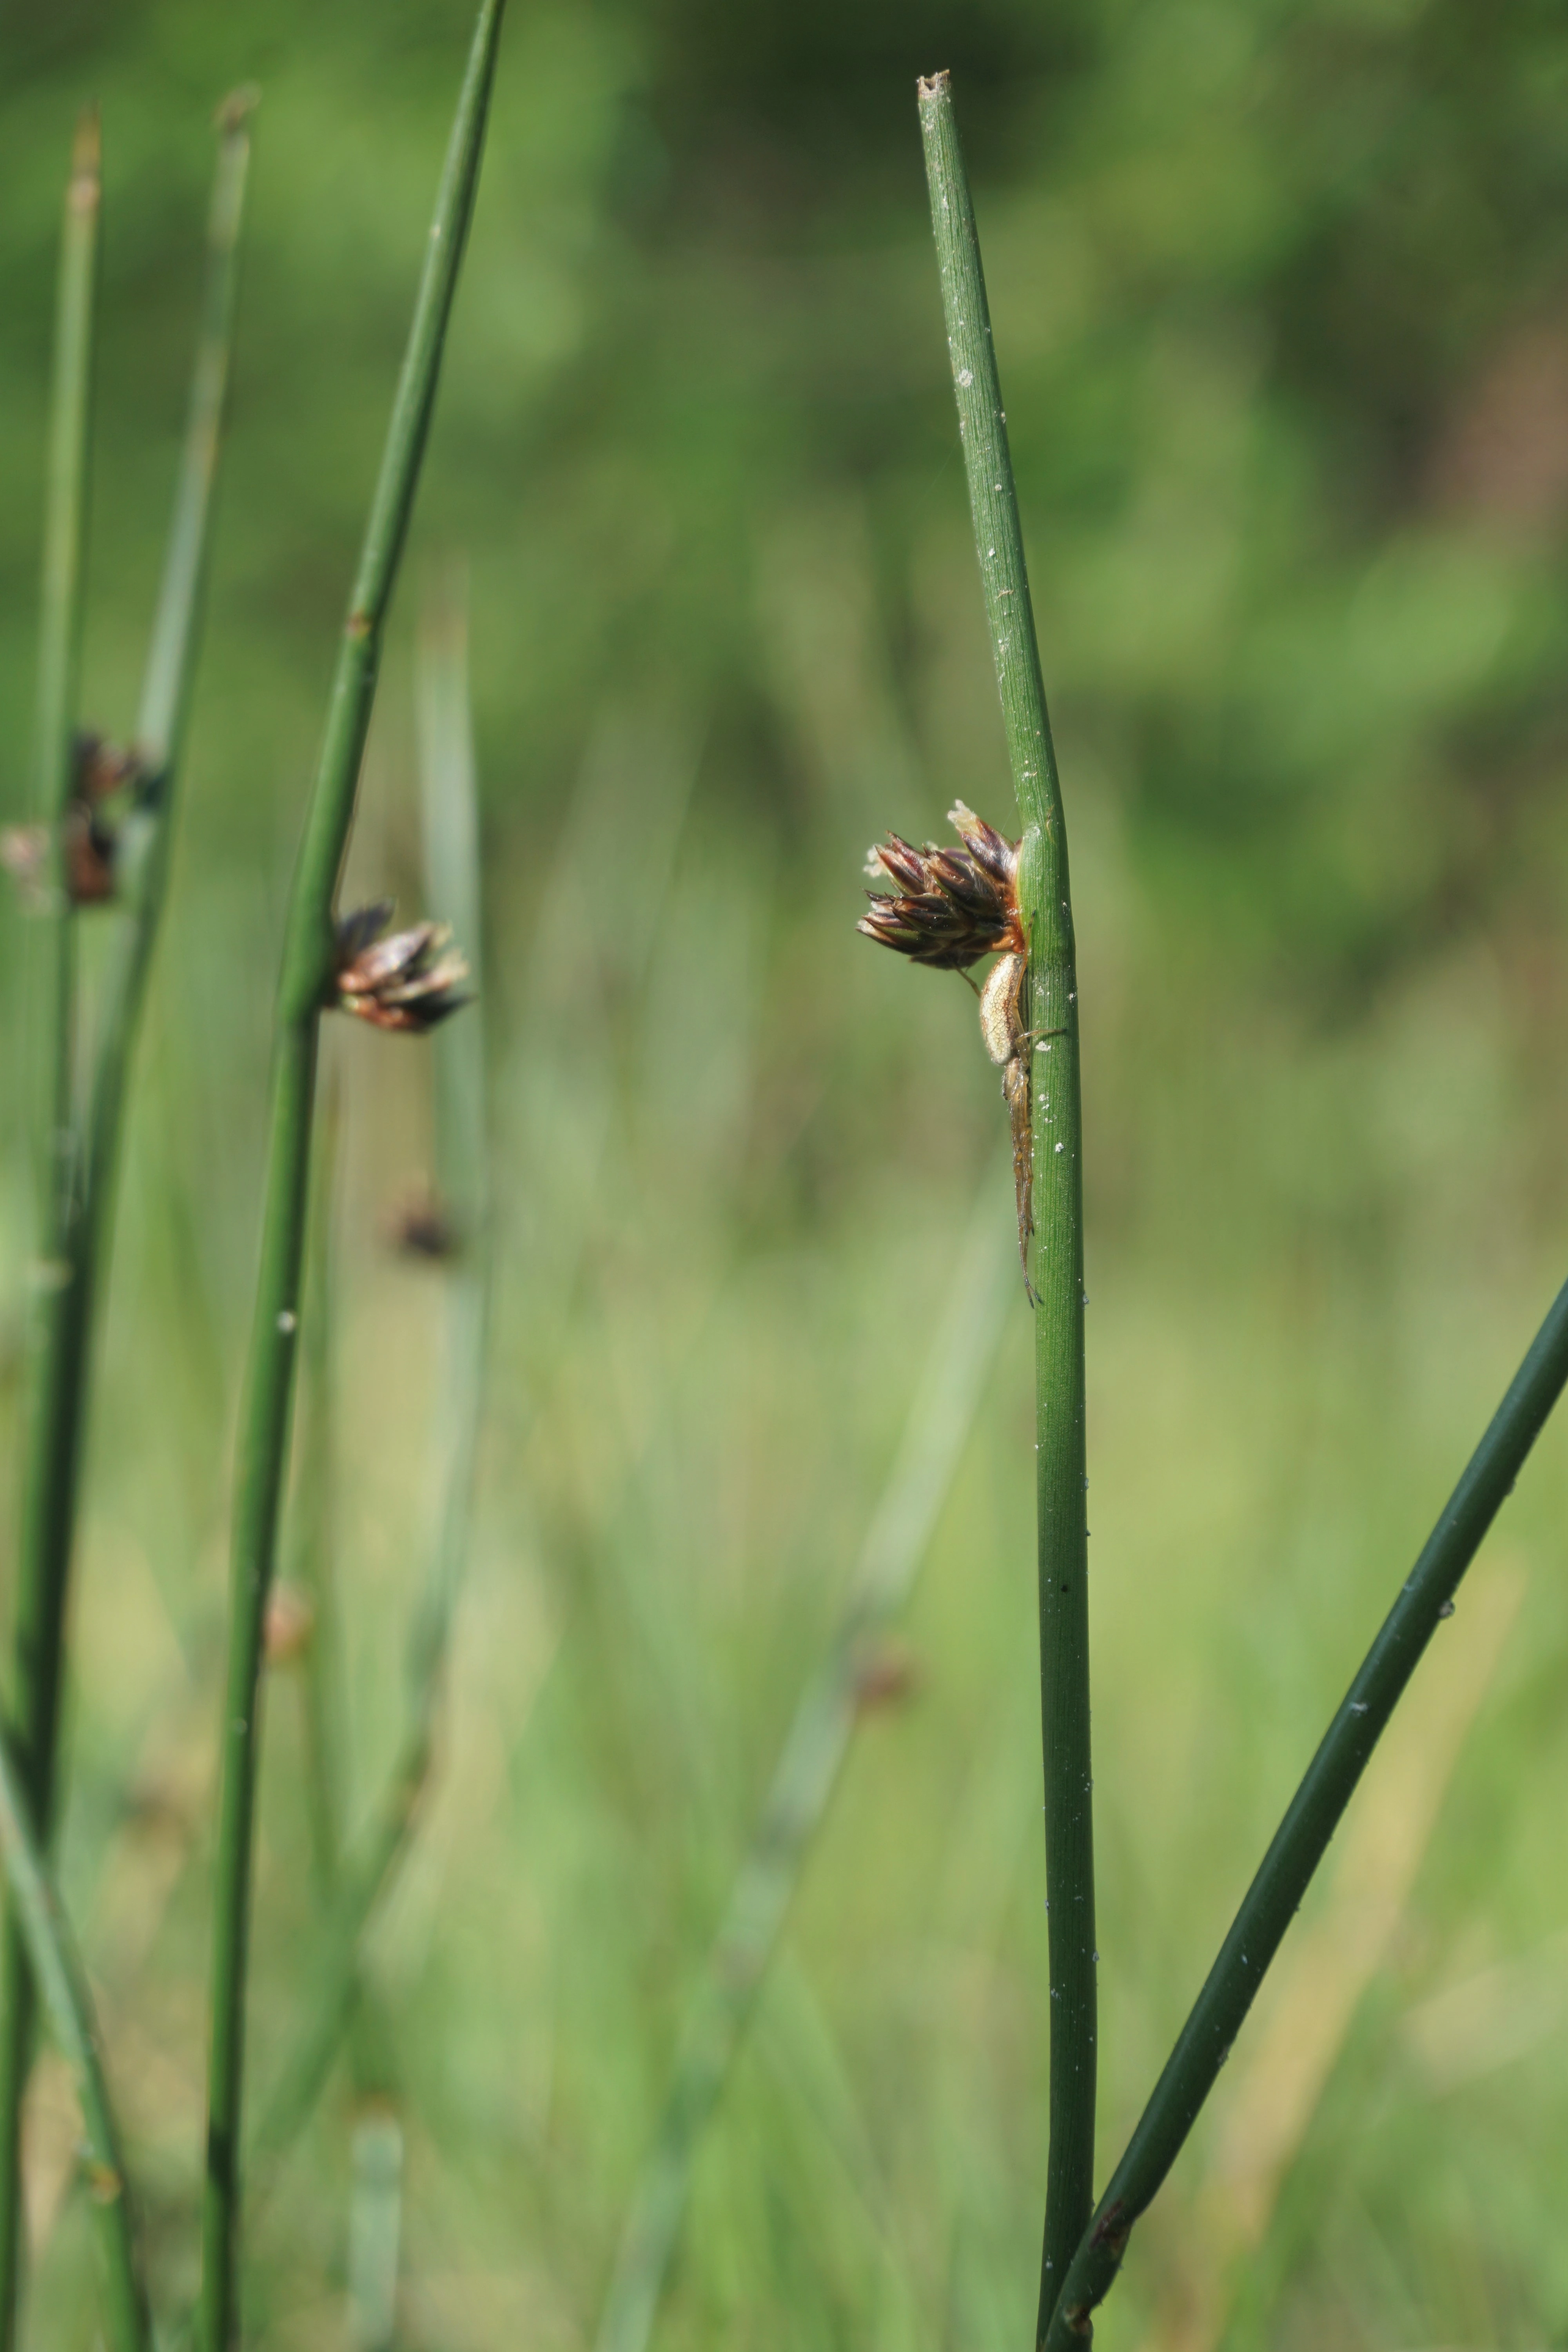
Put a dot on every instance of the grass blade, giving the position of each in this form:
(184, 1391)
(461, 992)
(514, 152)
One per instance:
(450, 803)
(58, 1973)
(375, 2229)
(1303, 1838)
(142, 853)
(952, 1387)
(52, 1459)
(308, 964)
(1057, 1124)
(141, 864)
(452, 830)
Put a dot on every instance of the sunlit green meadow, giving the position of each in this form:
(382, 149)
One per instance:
(1280, 310)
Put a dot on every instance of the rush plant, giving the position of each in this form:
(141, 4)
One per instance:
(101, 836)
(324, 961)
(100, 849)
(1085, 2241)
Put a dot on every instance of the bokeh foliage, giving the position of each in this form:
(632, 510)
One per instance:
(1281, 300)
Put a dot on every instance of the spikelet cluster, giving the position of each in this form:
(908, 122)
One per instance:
(949, 906)
(410, 980)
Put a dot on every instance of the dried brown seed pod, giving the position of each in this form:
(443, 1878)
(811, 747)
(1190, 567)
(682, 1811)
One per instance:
(408, 980)
(951, 907)
(99, 770)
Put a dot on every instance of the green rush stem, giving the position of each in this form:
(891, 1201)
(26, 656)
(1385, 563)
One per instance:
(305, 981)
(451, 829)
(141, 867)
(59, 1975)
(1057, 1270)
(1302, 1837)
(311, 1513)
(952, 1385)
(54, 1427)
(142, 850)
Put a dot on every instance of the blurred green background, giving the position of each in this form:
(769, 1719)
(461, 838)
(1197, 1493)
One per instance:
(1280, 294)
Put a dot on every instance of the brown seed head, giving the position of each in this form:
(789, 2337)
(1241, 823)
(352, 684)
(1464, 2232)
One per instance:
(421, 1225)
(950, 906)
(89, 833)
(409, 980)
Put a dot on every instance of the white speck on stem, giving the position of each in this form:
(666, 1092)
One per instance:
(287, 1322)
(1061, 1147)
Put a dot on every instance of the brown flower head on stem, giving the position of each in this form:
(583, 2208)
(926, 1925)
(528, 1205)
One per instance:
(100, 772)
(950, 906)
(409, 980)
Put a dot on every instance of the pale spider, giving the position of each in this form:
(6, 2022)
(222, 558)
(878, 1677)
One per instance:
(950, 907)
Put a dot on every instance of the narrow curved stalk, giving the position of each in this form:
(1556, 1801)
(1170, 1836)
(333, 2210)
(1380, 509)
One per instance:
(62, 1984)
(308, 963)
(940, 1419)
(1061, 1475)
(451, 829)
(54, 1430)
(1300, 1844)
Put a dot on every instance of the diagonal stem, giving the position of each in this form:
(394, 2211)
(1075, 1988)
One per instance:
(62, 1984)
(1424, 1600)
(308, 958)
(1061, 1478)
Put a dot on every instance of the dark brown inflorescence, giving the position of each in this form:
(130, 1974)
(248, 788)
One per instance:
(409, 982)
(952, 906)
(104, 780)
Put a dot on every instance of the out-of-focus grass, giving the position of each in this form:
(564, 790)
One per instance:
(1277, 306)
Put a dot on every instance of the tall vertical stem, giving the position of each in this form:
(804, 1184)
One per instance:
(449, 793)
(1058, 1267)
(308, 956)
(143, 850)
(54, 1428)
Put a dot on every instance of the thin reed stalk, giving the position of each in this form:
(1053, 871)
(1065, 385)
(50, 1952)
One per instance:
(1057, 1271)
(52, 1458)
(449, 800)
(143, 848)
(952, 1387)
(79, 1250)
(309, 949)
(62, 1984)
(1424, 1600)
(375, 2229)
(313, 1515)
